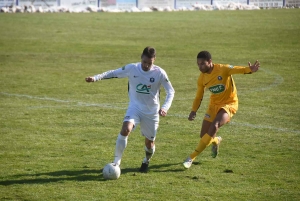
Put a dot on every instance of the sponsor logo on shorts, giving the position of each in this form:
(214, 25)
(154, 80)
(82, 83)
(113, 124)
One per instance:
(207, 115)
(127, 117)
(143, 88)
(135, 76)
(216, 89)
(123, 68)
(230, 66)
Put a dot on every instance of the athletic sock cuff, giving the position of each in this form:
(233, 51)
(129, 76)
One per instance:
(121, 137)
(150, 150)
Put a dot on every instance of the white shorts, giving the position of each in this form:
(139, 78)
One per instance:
(148, 123)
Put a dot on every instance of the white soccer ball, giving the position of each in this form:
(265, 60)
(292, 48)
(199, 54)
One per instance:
(111, 171)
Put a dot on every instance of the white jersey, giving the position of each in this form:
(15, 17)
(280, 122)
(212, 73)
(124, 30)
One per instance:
(144, 86)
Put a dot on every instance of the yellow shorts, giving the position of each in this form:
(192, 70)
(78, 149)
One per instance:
(213, 110)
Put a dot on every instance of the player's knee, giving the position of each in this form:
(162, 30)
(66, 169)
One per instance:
(125, 131)
(126, 128)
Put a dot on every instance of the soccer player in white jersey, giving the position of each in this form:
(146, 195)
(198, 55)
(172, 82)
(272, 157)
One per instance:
(145, 80)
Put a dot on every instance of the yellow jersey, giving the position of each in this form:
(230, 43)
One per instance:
(220, 83)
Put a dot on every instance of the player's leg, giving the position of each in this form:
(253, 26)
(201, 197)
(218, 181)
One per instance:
(209, 130)
(121, 142)
(223, 117)
(203, 139)
(201, 145)
(149, 151)
(149, 128)
(224, 114)
(131, 120)
(208, 133)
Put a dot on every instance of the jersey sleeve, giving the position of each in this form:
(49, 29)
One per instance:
(199, 94)
(170, 92)
(237, 69)
(118, 73)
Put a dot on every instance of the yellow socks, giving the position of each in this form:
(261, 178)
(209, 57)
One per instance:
(205, 141)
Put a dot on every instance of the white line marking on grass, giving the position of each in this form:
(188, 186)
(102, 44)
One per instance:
(247, 125)
(278, 80)
(264, 127)
(35, 97)
(64, 101)
(117, 108)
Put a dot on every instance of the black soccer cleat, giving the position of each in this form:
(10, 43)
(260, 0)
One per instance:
(144, 167)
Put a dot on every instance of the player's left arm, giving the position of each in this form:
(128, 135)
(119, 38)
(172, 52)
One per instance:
(254, 67)
(169, 95)
(243, 69)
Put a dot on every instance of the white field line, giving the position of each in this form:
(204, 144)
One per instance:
(64, 101)
(278, 79)
(286, 130)
(76, 103)
(244, 124)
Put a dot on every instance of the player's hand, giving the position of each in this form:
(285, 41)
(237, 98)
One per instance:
(162, 112)
(192, 116)
(89, 79)
(255, 66)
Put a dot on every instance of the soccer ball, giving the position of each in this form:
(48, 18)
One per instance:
(111, 171)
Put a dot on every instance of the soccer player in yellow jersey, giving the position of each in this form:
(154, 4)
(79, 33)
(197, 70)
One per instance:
(217, 78)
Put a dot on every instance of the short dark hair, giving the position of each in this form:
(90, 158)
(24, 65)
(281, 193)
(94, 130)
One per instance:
(204, 55)
(149, 52)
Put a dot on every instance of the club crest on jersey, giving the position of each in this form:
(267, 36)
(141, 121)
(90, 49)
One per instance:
(152, 79)
(220, 78)
(216, 89)
(143, 89)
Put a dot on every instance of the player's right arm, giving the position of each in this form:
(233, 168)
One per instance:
(106, 75)
(118, 73)
(198, 99)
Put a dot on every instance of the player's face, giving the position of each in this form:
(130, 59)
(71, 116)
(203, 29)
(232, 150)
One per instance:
(204, 65)
(147, 63)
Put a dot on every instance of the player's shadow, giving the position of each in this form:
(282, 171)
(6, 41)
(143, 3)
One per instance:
(57, 176)
(85, 174)
(175, 167)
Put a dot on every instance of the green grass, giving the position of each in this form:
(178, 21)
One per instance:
(58, 132)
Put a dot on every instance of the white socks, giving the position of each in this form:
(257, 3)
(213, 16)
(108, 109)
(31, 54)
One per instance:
(121, 144)
(149, 154)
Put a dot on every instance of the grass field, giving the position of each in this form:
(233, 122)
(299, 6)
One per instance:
(58, 132)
